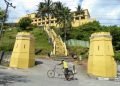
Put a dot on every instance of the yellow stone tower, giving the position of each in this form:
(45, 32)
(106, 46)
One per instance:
(101, 61)
(23, 53)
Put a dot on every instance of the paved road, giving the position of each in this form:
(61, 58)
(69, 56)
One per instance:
(37, 76)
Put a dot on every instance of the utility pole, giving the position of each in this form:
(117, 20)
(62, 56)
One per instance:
(8, 4)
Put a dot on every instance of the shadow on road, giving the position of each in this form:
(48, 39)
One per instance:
(38, 62)
(6, 78)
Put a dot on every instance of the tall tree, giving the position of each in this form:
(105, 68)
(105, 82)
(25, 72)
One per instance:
(45, 9)
(64, 17)
(79, 10)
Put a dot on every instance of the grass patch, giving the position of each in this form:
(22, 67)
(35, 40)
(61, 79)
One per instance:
(41, 40)
(8, 39)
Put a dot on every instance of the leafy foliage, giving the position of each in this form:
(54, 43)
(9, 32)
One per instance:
(79, 10)
(115, 32)
(45, 9)
(117, 55)
(2, 13)
(83, 32)
(24, 23)
(64, 17)
(78, 51)
(58, 10)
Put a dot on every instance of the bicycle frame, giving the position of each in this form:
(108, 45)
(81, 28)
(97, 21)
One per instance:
(56, 70)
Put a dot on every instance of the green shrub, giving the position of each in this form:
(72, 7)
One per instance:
(24, 23)
(117, 56)
(6, 46)
(78, 51)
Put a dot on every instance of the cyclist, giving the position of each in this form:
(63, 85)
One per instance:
(65, 67)
(71, 66)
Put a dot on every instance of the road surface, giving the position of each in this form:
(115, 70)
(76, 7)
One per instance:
(37, 76)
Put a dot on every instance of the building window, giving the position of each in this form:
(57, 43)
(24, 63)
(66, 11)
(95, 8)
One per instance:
(52, 17)
(83, 13)
(43, 18)
(39, 23)
(35, 19)
(39, 19)
(83, 17)
(47, 18)
(77, 18)
(55, 21)
(43, 22)
(47, 22)
(77, 13)
(52, 21)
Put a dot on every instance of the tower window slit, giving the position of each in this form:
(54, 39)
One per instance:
(24, 46)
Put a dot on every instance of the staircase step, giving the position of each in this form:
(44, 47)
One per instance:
(60, 47)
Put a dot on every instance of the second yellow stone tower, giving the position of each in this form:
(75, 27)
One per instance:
(101, 61)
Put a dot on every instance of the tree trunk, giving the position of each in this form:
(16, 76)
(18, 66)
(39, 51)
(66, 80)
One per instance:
(48, 20)
(65, 31)
(3, 21)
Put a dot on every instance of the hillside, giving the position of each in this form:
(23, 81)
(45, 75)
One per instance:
(41, 40)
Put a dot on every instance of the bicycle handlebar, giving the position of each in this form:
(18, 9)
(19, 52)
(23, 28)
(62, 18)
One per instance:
(55, 67)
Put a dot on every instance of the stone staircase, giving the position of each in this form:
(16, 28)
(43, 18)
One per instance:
(59, 47)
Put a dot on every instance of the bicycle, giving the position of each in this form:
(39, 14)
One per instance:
(51, 73)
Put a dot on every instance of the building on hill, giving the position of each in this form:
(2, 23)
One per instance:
(78, 19)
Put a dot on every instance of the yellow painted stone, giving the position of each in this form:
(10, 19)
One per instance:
(101, 61)
(23, 53)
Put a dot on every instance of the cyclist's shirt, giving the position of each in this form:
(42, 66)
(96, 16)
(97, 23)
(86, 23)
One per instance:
(65, 64)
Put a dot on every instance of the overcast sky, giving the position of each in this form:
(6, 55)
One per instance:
(106, 11)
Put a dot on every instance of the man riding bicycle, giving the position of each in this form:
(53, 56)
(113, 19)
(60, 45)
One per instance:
(65, 67)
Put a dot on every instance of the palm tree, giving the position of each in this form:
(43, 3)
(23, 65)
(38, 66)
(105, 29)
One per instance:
(58, 10)
(63, 15)
(45, 9)
(79, 10)
(57, 7)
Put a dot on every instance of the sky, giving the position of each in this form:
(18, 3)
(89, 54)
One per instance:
(107, 12)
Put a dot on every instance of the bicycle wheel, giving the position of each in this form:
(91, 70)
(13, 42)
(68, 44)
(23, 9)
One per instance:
(51, 73)
(70, 74)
